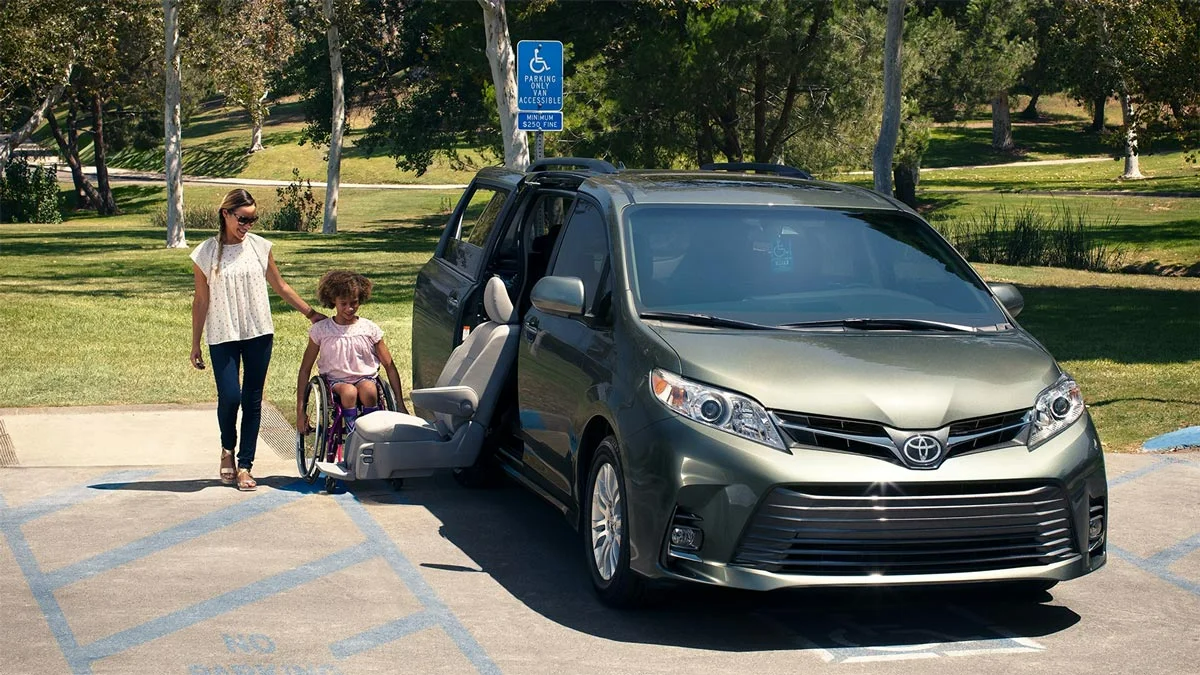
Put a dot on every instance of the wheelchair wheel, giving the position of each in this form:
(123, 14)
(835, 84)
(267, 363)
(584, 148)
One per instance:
(311, 447)
(387, 395)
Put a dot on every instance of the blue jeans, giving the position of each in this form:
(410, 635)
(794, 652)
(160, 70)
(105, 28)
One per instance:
(254, 355)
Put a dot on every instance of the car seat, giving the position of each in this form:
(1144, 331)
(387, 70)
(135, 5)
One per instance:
(394, 445)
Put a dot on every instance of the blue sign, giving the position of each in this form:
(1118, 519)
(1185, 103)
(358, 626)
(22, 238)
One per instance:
(540, 121)
(539, 76)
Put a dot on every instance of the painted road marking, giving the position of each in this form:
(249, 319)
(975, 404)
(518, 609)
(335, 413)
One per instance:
(378, 545)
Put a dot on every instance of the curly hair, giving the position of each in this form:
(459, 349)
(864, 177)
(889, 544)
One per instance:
(343, 284)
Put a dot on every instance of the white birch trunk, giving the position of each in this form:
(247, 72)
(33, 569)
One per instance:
(21, 135)
(1001, 123)
(176, 237)
(334, 175)
(1132, 171)
(503, 63)
(889, 130)
(257, 114)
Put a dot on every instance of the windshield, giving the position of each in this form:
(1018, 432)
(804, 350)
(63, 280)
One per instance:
(778, 265)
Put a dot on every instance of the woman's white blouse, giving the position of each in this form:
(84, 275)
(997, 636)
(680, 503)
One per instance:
(238, 305)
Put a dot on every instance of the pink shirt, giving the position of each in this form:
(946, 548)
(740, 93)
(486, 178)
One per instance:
(347, 352)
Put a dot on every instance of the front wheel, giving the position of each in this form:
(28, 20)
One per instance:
(606, 531)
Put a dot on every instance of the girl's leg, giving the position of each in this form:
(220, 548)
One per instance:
(368, 395)
(225, 358)
(348, 396)
(256, 356)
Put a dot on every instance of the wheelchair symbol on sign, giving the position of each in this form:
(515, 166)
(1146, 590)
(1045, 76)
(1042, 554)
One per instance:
(537, 64)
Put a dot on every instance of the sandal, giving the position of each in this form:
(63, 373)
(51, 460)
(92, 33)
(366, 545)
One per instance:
(227, 467)
(245, 482)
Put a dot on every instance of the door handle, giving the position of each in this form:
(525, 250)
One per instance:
(531, 328)
(452, 302)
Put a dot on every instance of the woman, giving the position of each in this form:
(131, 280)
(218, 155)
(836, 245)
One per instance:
(232, 308)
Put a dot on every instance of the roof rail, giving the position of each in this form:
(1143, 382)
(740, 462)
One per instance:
(587, 163)
(758, 167)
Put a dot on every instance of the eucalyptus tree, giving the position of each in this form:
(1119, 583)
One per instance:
(889, 131)
(37, 58)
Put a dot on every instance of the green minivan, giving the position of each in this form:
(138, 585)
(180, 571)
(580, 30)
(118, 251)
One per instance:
(761, 381)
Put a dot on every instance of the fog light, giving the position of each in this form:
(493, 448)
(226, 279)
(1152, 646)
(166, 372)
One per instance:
(686, 538)
(1095, 529)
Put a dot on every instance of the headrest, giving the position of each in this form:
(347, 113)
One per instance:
(496, 302)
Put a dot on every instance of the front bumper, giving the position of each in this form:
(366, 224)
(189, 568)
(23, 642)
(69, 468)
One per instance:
(676, 466)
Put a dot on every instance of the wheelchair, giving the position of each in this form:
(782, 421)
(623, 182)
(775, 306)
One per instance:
(322, 449)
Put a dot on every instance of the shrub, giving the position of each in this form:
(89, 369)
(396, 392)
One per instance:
(29, 193)
(198, 220)
(298, 209)
(1029, 237)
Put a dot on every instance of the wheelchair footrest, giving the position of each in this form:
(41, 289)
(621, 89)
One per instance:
(334, 470)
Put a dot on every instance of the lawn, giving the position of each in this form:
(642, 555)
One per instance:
(96, 311)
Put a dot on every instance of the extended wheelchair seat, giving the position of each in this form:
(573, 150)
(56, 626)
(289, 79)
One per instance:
(392, 445)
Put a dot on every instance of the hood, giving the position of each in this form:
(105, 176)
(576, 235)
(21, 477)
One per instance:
(904, 380)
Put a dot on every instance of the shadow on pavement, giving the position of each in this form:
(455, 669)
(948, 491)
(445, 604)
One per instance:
(530, 550)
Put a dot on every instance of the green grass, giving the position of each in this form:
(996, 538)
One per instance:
(96, 311)
(1161, 229)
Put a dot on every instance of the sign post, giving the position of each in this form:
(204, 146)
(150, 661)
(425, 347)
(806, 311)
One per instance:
(539, 89)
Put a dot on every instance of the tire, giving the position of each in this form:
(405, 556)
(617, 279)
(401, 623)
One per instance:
(605, 531)
(311, 447)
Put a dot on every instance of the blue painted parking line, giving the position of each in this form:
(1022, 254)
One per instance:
(228, 602)
(417, 585)
(1156, 465)
(81, 657)
(166, 539)
(1156, 566)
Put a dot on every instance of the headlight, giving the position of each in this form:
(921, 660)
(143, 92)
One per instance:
(720, 409)
(1056, 409)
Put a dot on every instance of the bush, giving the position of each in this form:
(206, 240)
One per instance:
(198, 220)
(1028, 237)
(29, 194)
(298, 209)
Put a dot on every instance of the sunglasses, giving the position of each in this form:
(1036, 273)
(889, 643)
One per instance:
(245, 220)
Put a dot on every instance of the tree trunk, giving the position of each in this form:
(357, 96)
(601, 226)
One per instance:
(907, 176)
(704, 139)
(1098, 114)
(258, 114)
(107, 206)
(334, 175)
(1129, 121)
(1001, 123)
(889, 130)
(1031, 112)
(21, 135)
(176, 236)
(760, 109)
(86, 196)
(504, 80)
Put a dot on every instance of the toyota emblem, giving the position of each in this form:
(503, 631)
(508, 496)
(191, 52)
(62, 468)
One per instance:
(922, 450)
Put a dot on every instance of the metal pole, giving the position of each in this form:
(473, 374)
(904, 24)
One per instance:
(539, 145)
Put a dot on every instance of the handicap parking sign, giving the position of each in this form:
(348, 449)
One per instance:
(539, 76)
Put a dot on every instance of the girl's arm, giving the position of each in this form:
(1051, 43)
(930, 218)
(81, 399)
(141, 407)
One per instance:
(199, 314)
(385, 358)
(306, 364)
(286, 292)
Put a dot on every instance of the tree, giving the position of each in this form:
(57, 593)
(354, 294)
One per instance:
(176, 237)
(36, 62)
(334, 172)
(503, 65)
(889, 130)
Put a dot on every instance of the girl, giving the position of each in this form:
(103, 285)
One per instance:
(351, 350)
(232, 271)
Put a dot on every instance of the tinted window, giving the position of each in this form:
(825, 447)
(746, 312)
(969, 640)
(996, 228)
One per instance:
(465, 249)
(789, 264)
(583, 251)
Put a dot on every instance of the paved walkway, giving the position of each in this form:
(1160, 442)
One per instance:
(121, 552)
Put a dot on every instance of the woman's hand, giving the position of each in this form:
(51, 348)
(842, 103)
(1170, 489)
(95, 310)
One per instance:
(315, 317)
(197, 358)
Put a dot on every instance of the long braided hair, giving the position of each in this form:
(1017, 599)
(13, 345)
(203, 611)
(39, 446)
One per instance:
(234, 200)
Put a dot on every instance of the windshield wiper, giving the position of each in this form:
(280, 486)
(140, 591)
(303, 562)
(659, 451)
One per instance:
(705, 320)
(883, 324)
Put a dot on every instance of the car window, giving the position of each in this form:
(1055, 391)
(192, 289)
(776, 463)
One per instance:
(583, 250)
(465, 249)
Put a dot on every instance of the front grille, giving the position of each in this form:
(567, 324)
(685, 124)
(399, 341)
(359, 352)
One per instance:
(911, 529)
(984, 432)
(832, 433)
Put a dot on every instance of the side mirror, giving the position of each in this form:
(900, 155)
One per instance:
(558, 295)
(1009, 296)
